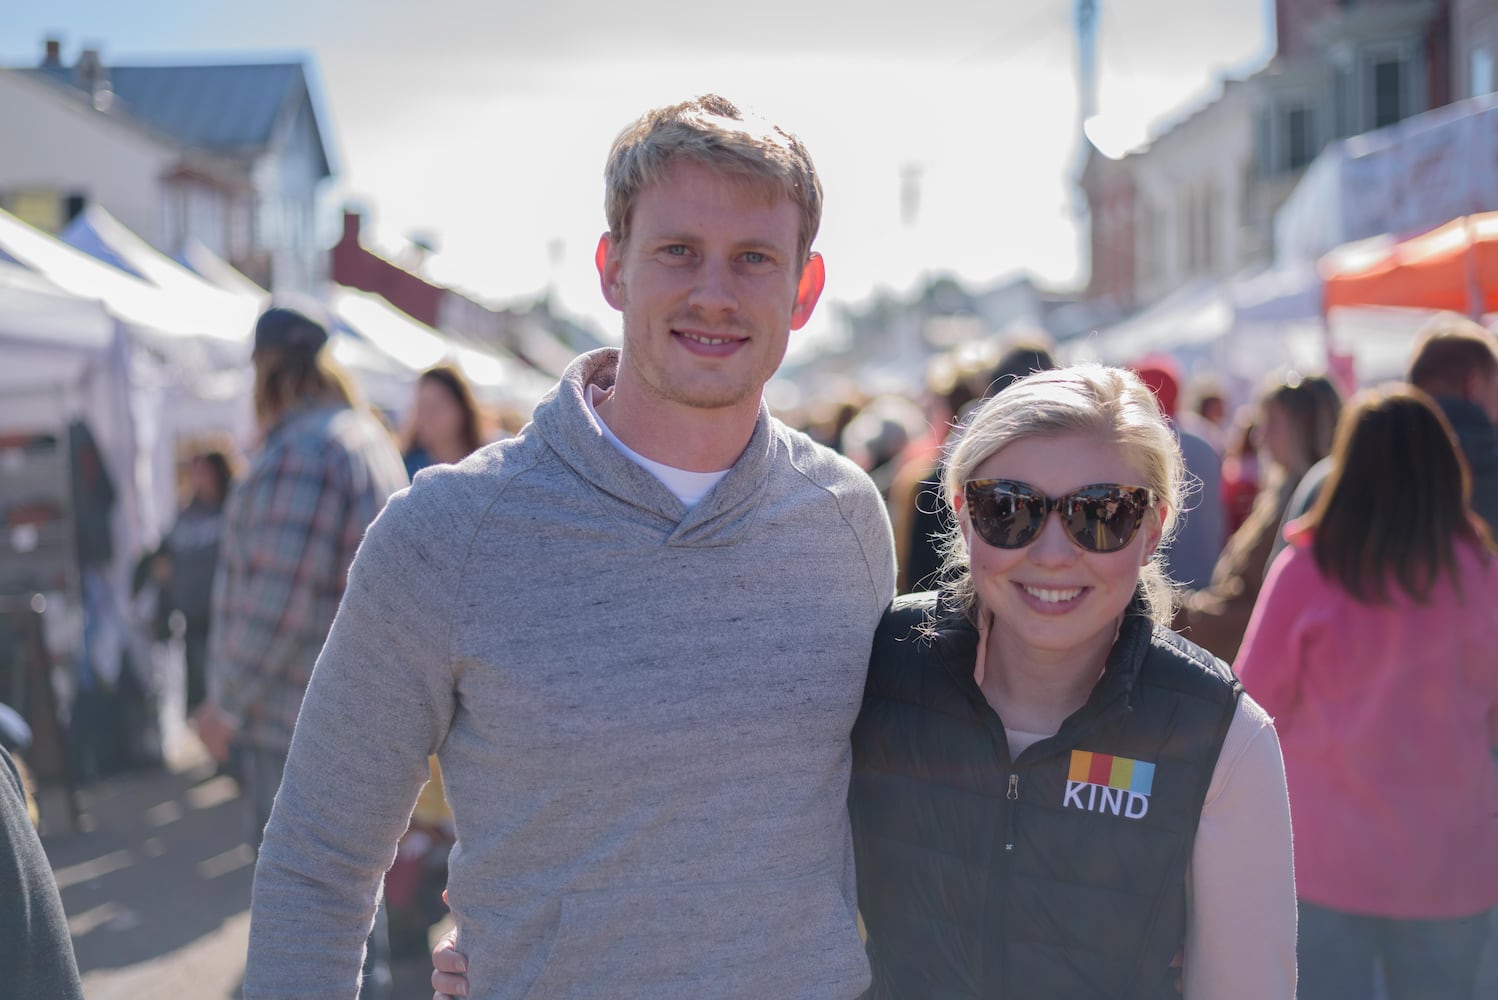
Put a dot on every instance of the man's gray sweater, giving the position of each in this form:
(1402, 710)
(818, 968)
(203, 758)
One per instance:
(642, 714)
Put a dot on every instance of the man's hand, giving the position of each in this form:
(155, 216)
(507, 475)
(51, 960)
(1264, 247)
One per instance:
(449, 965)
(215, 729)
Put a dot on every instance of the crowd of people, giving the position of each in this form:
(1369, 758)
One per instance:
(1066, 681)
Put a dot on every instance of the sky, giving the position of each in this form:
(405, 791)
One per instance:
(482, 126)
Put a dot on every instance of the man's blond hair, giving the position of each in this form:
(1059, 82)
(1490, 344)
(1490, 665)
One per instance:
(712, 131)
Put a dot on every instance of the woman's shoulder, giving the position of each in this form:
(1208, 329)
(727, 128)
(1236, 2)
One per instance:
(1175, 661)
(924, 615)
(922, 649)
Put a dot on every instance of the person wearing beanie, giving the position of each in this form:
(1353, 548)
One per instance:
(325, 468)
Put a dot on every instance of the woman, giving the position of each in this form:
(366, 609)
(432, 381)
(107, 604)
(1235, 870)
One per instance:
(1295, 422)
(190, 553)
(445, 426)
(1052, 796)
(1372, 645)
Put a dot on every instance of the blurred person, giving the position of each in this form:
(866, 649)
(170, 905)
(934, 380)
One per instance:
(636, 636)
(1198, 539)
(877, 437)
(1372, 645)
(1296, 419)
(1208, 415)
(947, 393)
(291, 526)
(1240, 474)
(927, 520)
(1052, 795)
(36, 951)
(445, 424)
(1455, 362)
(185, 564)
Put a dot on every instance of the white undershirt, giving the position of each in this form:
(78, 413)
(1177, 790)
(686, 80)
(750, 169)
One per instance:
(688, 487)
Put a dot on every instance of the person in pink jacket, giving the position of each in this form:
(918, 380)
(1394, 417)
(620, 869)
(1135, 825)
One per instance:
(1374, 645)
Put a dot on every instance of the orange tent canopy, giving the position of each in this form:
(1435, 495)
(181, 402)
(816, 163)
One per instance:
(1454, 266)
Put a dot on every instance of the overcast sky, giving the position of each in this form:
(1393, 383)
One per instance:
(484, 124)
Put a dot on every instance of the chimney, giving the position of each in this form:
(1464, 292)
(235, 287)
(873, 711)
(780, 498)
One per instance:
(352, 223)
(89, 73)
(52, 59)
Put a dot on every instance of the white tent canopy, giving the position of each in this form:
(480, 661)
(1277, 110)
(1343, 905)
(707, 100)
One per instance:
(403, 347)
(198, 330)
(101, 235)
(64, 358)
(1236, 330)
(54, 345)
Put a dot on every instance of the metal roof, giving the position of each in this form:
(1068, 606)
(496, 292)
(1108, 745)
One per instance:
(232, 108)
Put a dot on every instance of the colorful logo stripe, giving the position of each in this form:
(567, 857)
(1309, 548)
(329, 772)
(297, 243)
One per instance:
(1137, 776)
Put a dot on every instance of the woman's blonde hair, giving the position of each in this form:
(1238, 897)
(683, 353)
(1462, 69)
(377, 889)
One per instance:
(1111, 403)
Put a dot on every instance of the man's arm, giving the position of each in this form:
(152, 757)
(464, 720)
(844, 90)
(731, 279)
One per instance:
(36, 953)
(380, 701)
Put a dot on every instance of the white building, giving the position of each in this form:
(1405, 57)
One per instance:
(230, 155)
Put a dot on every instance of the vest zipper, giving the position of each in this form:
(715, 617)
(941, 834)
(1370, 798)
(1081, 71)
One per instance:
(1013, 796)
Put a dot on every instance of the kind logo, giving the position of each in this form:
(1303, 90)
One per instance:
(1103, 783)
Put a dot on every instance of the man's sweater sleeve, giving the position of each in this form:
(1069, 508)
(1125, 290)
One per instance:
(381, 700)
(36, 953)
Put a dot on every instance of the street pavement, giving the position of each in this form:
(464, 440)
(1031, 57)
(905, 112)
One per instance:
(155, 881)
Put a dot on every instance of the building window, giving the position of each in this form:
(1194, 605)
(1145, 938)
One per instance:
(36, 207)
(1388, 78)
(1297, 141)
(1480, 73)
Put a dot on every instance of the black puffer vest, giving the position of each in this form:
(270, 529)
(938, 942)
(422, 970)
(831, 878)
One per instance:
(1058, 875)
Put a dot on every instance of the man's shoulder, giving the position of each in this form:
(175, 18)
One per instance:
(822, 465)
(477, 484)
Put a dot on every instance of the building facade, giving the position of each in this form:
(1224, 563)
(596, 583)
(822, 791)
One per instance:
(1201, 198)
(233, 156)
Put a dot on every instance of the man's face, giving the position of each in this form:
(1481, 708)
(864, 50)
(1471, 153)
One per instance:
(710, 284)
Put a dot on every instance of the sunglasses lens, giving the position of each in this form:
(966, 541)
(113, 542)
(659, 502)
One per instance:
(1009, 515)
(1102, 520)
(1005, 516)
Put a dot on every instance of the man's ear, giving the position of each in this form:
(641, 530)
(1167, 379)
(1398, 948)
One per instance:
(609, 258)
(808, 290)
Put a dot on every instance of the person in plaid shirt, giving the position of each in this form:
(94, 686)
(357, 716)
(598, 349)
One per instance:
(325, 470)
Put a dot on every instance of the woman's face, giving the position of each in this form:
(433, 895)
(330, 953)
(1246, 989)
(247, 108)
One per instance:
(1277, 436)
(204, 482)
(1053, 596)
(439, 418)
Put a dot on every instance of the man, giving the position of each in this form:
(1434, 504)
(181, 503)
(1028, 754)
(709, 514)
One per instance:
(36, 953)
(1192, 554)
(292, 524)
(636, 636)
(1456, 363)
